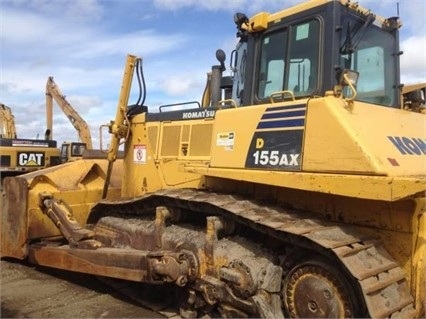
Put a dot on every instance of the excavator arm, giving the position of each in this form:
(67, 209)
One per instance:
(7, 122)
(53, 92)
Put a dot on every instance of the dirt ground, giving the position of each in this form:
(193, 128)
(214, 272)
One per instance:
(29, 292)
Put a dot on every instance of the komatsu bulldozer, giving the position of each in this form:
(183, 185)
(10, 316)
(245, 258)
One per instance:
(295, 188)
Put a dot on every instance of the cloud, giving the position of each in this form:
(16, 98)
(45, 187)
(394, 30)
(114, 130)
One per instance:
(178, 85)
(413, 16)
(21, 27)
(77, 10)
(208, 5)
(83, 44)
(413, 62)
(81, 57)
(55, 37)
(247, 6)
(146, 41)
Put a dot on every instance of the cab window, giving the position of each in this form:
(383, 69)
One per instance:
(78, 149)
(374, 60)
(289, 60)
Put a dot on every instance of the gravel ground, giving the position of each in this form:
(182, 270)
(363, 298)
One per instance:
(29, 292)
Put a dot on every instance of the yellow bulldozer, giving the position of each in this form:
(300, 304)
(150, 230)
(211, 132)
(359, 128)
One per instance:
(295, 188)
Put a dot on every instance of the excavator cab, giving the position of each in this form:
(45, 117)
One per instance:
(72, 151)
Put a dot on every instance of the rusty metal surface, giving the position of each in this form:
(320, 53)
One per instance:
(385, 289)
(234, 271)
(21, 217)
(313, 292)
(14, 218)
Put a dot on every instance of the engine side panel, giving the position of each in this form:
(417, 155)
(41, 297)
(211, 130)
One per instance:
(268, 137)
(341, 138)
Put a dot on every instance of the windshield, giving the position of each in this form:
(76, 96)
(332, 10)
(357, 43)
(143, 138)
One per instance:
(78, 149)
(289, 60)
(370, 51)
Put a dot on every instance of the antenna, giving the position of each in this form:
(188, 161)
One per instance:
(397, 9)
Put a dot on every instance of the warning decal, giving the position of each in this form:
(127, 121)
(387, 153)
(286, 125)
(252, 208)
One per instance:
(139, 154)
(226, 139)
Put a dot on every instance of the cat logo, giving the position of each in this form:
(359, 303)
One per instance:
(32, 159)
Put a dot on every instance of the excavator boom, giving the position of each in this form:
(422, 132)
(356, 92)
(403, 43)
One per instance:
(54, 93)
(7, 122)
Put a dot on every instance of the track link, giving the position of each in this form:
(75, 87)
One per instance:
(385, 290)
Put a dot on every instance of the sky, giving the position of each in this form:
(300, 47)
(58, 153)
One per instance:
(83, 44)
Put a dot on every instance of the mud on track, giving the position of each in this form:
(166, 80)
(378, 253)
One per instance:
(30, 292)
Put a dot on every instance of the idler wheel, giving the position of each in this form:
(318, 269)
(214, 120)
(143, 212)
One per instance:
(317, 290)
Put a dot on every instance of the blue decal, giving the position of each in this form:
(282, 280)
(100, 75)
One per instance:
(282, 123)
(283, 114)
(283, 117)
(409, 145)
(284, 108)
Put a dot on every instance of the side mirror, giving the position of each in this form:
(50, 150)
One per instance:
(348, 78)
(221, 57)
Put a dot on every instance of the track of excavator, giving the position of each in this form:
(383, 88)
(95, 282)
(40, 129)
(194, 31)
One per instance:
(310, 251)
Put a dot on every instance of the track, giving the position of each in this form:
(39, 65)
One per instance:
(378, 282)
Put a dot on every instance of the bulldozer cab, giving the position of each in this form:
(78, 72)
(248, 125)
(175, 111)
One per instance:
(295, 54)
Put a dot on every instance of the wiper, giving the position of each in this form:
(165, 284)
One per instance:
(352, 41)
(348, 41)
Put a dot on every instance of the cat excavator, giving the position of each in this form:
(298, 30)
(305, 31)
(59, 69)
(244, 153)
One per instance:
(70, 151)
(19, 155)
(413, 97)
(296, 188)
